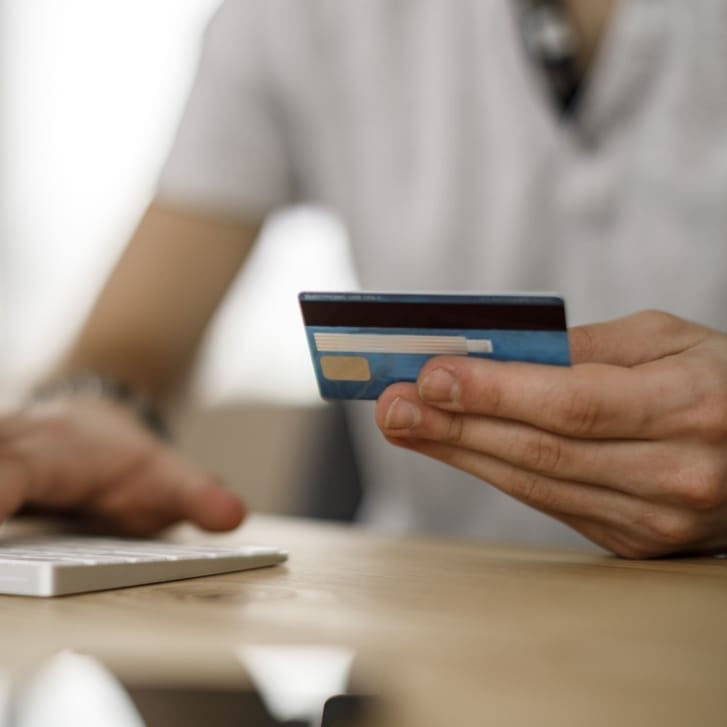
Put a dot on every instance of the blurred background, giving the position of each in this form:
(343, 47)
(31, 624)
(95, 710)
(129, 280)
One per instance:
(90, 95)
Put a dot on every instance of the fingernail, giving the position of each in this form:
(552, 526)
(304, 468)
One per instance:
(439, 385)
(402, 414)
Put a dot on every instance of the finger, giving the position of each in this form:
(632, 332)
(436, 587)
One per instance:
(635, 339)
(604, 535)
(682, 475)
(655, 531)
(625, 524)
(213, 507)
(554, 497)
(585, 401)
(164, 489)
(618, 541)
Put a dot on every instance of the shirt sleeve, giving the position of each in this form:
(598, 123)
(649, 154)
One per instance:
(228, 154)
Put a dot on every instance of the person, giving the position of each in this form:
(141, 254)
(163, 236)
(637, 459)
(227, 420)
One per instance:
(575, 145)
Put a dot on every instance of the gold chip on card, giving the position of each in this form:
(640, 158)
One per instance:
(345, 368)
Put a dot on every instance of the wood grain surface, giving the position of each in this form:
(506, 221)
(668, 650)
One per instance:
(450, 632)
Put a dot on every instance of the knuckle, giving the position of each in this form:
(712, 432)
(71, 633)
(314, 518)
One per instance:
(660, 322)
(701, 488)
(578, 413)
(528, 487)
(704, 412)
(454, 430)
(710, 417)
(484, 395)
(671, 531)
(542, 452)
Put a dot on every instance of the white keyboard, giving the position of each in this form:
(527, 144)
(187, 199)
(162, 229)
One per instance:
(59, 565)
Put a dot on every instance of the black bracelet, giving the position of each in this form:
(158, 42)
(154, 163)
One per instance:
(108, 387)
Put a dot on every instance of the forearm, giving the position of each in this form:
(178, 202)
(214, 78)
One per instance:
(153, 310)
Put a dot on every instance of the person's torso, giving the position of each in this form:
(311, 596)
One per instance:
(424, 125)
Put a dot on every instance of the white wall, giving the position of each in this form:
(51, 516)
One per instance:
(90, 96)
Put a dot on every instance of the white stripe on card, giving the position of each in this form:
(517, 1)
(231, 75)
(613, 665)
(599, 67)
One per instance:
(400, 343)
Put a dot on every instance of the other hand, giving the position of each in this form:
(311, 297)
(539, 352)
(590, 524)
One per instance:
(91, 457)
(628, 446)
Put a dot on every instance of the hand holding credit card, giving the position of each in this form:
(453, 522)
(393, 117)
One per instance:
(361, 342)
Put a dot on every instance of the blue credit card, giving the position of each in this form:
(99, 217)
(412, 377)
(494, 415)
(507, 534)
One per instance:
(361, 343)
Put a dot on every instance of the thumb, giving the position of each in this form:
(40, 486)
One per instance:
(633, 340)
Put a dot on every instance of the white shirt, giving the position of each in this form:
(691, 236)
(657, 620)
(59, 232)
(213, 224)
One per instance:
(423, 123)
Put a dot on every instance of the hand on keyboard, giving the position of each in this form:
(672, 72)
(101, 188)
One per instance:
(90, 457)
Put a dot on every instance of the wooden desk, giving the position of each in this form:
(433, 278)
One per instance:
(462, 633)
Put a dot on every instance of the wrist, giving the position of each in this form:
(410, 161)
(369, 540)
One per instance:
(103, 387)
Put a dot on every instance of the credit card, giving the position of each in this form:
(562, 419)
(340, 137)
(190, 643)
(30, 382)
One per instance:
(361, 343)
